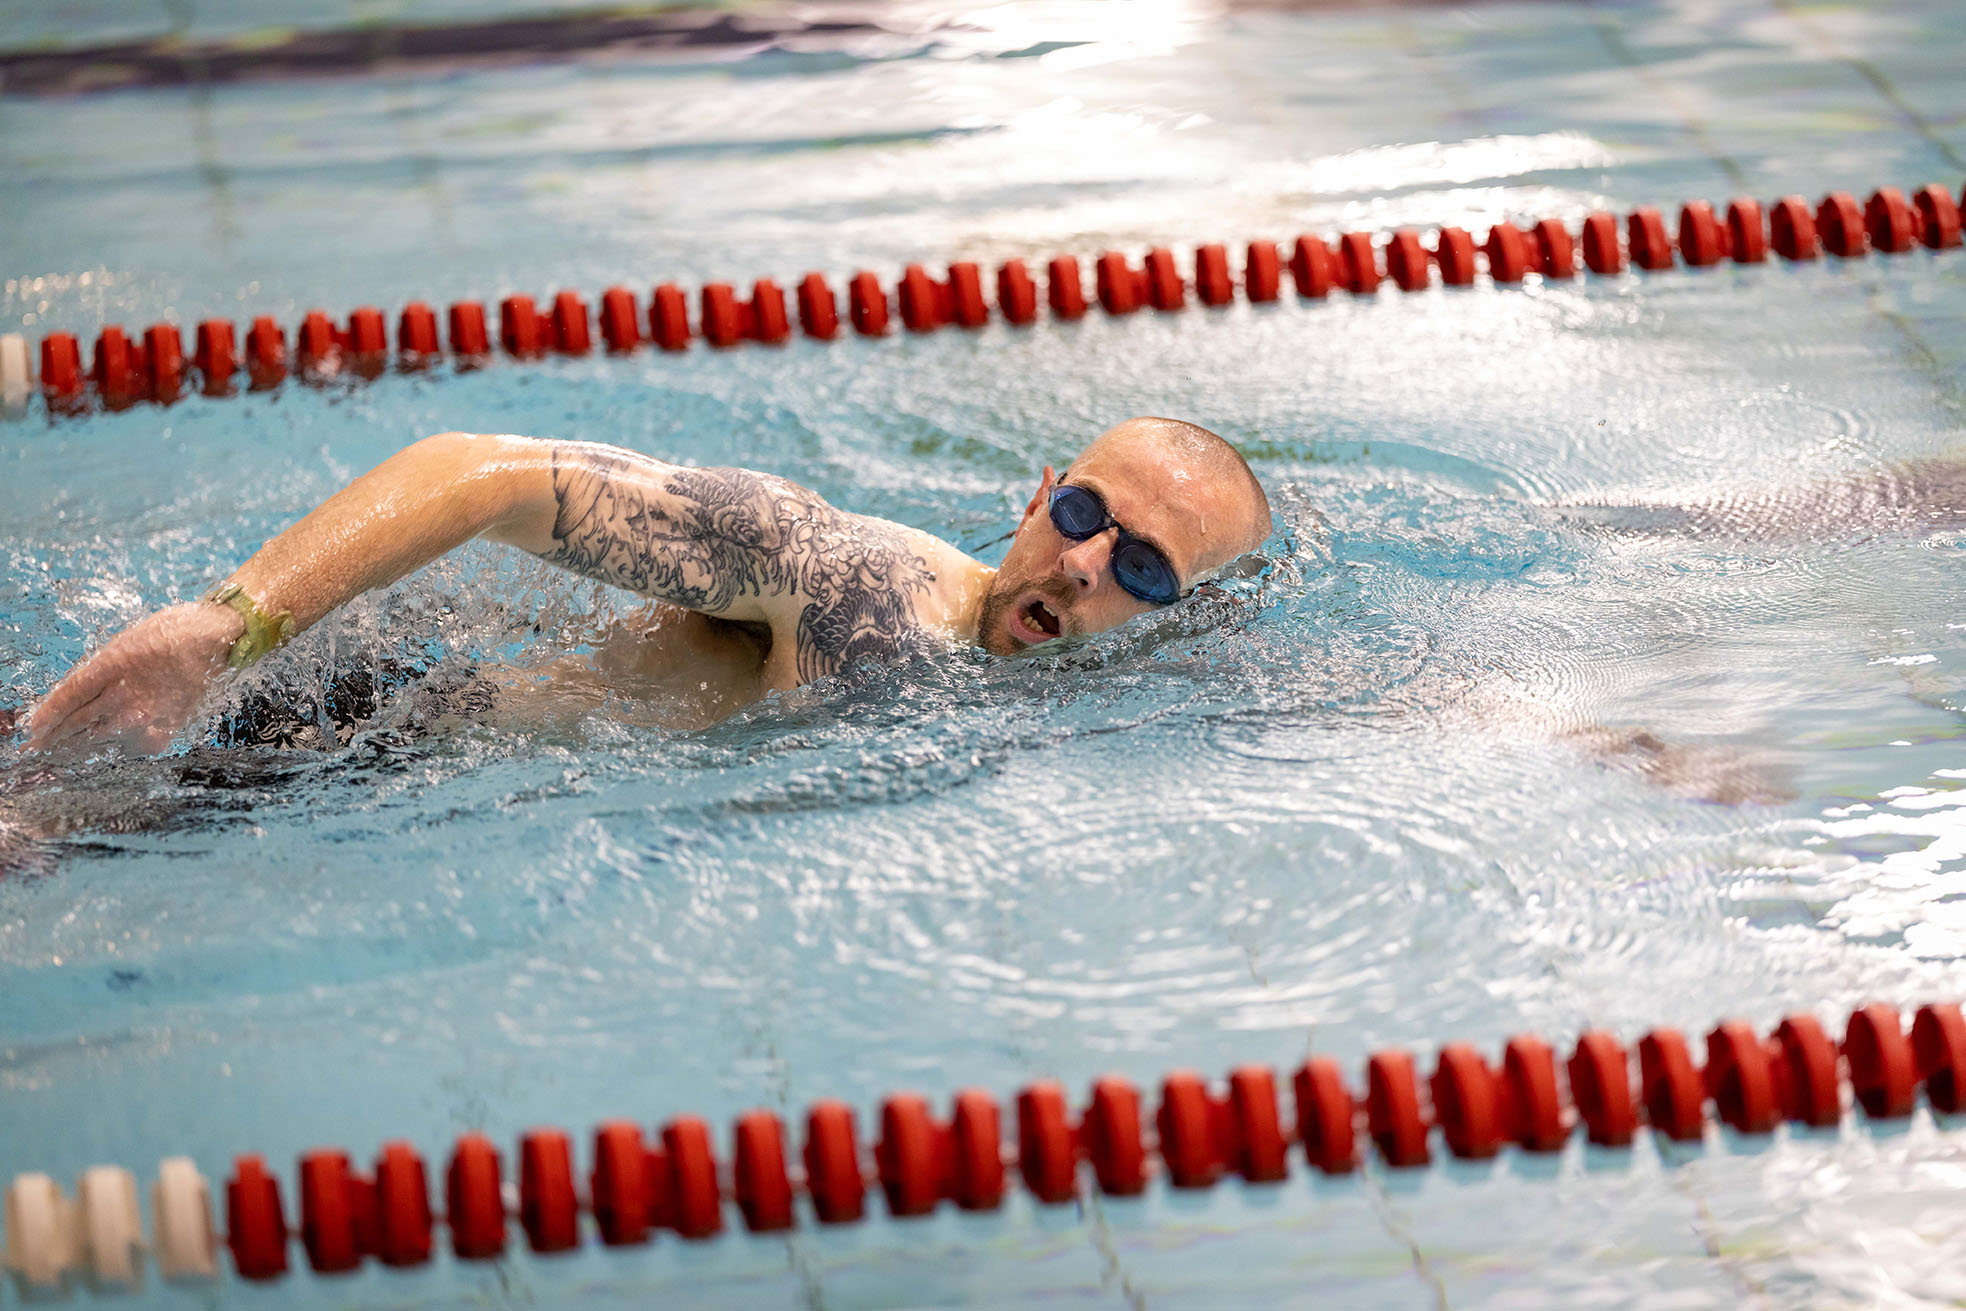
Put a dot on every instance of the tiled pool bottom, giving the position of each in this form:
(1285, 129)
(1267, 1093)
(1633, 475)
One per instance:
(1194, 845)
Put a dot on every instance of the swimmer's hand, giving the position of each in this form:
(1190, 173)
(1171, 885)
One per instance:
(141, 688)
(1721, 775)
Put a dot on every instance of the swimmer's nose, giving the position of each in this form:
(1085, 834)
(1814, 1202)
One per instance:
(1084, 563)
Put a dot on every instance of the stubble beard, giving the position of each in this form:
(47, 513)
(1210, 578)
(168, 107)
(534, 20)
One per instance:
(1003, 592)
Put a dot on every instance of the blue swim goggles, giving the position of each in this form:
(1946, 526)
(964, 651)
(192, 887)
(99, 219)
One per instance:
(1138, 566)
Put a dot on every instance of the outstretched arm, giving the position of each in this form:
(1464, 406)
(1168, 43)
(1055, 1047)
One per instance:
(722, 541)
(146, 682)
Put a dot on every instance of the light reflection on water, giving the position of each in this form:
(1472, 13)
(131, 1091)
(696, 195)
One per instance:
(1332, 807)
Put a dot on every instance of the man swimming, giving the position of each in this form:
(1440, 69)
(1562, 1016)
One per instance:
(760, 585)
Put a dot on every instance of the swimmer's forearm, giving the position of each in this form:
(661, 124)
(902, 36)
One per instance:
(412, 508)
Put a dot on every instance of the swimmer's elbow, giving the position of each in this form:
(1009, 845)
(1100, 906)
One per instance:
(476, 480)
(466, 448)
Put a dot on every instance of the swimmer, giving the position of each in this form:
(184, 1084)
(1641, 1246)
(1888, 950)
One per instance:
(759, 585)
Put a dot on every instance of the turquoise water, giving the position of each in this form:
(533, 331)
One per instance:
(1325, 811)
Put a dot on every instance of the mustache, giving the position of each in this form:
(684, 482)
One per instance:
(1056, 590)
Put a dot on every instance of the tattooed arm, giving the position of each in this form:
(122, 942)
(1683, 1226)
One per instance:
(833, 587)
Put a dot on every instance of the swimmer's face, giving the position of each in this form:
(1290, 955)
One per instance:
(1160, 487)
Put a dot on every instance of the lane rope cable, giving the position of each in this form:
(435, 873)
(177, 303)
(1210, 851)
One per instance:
(125, 370)
(1198, 1135)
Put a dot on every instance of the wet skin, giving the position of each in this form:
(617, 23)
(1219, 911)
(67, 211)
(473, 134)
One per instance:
(756, 585)
(759, 584)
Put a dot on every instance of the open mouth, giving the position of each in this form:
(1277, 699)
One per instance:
(1039, 616)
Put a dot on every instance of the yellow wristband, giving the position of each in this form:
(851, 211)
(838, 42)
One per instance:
(264, 632)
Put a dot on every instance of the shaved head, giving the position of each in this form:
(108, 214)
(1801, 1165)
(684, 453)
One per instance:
(1168, 487)
(1198, 461)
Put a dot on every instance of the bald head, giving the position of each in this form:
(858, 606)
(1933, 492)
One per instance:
(1198, 471)
(1167, 488)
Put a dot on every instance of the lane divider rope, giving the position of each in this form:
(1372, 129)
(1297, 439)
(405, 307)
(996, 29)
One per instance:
(1199, 1134)
(125, 371)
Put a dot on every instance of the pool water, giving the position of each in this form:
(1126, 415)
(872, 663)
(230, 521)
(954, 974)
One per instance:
(1338, 804)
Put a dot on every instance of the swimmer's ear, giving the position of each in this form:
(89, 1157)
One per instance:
(1043, 491)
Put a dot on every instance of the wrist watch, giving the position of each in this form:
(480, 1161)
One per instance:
(263, 633)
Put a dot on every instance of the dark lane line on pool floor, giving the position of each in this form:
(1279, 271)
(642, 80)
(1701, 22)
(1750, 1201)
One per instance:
(1875, 76)
(168, 60)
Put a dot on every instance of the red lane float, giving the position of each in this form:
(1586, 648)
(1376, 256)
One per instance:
(867, 303)
(1601, 1090)
(1122, 288)
(1465, 1105)
(401, 1195)
(619, 326)
(1792, 229)
(416, 334)
(1312, 267)
(118, 370)
(123, 371)
(1454, 254)
(1111, 1134)
(1358, 263)
(1747, 231)
(1213, 285)
(1840, 224)
(1507, 250)
(523, 331)
(1165, 290)
(1017, 294)
(1261, 272)
(832, 1160)
(1065, 288)
(819, 313)
(669, 317)
(1805, 1072)
(1327, 1116)
(474, 1199)
(1406, 261)
(1647, 240)
(1702, 240)
(61, 371)
(1883, 1076)
(216, 356)
(1556, 250)
(1186, 1123)
(1938, 217)
(723, 322)
(1750, 1083)
(470, 338)
(336, 1212)
(909, 1156)
(618, 1189)
(266, 354)
(761, 1184)
(1938, 1040)
(1670, 1086)
(1890, 222)
(163, 360)
(255, 1224)
(1740, 1079)
(1392, 1110)
(1260, 1150)
(547, 1209)
(1536, 1119)
(1602, 253)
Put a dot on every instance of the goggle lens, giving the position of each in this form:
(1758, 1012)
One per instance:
(1077, 513)
(1137, 566)
(1142, 571)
